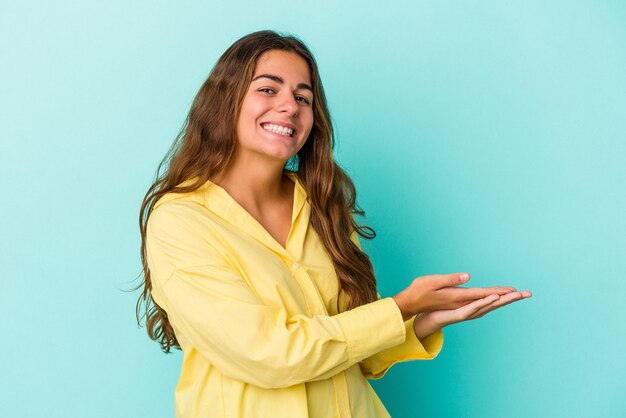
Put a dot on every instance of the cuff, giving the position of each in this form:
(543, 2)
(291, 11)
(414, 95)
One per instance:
(425, 349)
(372, 327)
(412, 348)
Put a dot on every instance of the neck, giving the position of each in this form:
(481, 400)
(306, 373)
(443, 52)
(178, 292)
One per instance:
(255, 183)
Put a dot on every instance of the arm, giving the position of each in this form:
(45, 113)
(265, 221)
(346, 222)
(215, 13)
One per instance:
(412, 348)
(424, 332)
(213, 310)
(429, 304)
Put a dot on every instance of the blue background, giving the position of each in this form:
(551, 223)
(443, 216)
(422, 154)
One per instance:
(486, 137)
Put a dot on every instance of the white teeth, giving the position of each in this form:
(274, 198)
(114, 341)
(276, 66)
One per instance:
(278, 129)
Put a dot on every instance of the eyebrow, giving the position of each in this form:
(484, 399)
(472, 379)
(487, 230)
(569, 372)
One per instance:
(279, 80)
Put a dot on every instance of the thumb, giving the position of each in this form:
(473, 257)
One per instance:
(449, 280)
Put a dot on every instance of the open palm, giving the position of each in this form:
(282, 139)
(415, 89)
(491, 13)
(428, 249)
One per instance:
(430, 322)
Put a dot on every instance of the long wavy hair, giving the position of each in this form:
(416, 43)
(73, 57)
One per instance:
(205, 146)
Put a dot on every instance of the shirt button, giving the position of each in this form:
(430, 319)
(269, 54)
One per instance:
(295, 265)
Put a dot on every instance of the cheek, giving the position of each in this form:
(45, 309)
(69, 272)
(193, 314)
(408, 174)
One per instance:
(246, 111)
(306, 116)
(308, 122)
(247, 118)
(250, 108)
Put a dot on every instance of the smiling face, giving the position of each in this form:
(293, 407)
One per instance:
(276, 114)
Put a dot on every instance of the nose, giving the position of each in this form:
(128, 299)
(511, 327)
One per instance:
(287, 104)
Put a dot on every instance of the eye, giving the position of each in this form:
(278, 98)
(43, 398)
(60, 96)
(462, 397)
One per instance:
(303, 99)
(266, 90)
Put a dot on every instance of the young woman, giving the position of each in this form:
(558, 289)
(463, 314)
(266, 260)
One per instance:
(251, 260)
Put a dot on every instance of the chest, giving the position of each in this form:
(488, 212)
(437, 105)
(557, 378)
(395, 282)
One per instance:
(301, 279)
(277, 224)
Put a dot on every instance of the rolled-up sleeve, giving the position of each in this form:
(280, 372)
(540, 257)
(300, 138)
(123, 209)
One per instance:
(213, 310)
(375, 367)
(411, 348)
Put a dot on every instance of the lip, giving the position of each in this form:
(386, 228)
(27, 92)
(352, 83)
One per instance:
(283, 124)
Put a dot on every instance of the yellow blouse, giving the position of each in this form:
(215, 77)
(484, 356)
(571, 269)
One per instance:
(258, 324)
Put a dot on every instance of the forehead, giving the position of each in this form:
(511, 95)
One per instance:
(287, 65)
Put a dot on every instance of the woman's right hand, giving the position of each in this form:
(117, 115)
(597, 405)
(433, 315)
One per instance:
(442, 291)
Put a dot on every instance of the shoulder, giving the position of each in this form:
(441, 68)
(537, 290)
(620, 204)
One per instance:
(181, 232)
(181, 199)
(178, 215)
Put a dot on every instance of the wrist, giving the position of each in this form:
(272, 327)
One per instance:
(424, 325)
(401, 306)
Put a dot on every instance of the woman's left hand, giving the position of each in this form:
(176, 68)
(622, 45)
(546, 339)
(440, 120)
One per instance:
(429, 322)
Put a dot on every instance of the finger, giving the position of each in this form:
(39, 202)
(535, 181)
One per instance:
(457, 297)
(471, 309)
(463, 294)
(448, 280)
(500, 290)
(503, 301)
(509, 288)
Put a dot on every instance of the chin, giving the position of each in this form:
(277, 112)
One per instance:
(280, 154)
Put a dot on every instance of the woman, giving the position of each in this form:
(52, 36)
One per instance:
(255, 270)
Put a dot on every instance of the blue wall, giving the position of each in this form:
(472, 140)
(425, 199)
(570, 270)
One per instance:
(483, 136)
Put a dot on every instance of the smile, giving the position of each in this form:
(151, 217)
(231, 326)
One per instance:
(277, 129)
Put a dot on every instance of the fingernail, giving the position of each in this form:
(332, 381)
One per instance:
(464, 277)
